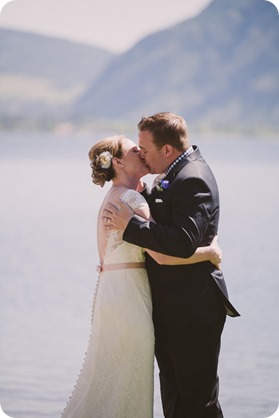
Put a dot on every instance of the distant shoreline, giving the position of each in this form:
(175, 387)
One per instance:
(69, 127)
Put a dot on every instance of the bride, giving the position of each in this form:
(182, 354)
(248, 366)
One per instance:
(116, 380)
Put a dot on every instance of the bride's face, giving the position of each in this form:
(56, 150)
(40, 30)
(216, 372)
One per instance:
(134, 165)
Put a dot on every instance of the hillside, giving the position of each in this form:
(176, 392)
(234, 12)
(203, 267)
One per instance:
(40, 74)
(219, 68)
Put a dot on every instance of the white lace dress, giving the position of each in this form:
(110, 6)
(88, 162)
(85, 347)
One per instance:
(116, 380)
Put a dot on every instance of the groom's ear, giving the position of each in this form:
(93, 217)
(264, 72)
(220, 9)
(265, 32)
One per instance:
(168, 150)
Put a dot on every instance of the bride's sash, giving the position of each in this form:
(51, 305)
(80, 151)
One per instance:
(120, 266)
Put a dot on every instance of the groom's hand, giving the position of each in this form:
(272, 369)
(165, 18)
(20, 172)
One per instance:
(117, 217)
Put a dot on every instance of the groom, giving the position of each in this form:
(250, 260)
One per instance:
(190, 302)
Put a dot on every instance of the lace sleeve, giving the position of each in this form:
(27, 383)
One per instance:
(134, 200)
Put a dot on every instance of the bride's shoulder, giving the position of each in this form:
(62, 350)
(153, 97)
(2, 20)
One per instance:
(136, 202)
(133, 198)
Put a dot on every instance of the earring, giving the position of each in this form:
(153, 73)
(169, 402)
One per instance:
(119, 162)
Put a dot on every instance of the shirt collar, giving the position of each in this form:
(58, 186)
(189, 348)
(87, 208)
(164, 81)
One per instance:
(184, 155)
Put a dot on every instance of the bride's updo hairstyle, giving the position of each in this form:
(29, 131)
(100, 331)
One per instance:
(101, 155)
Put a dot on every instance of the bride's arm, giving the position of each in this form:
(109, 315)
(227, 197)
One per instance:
(212, 253)
(143, 211)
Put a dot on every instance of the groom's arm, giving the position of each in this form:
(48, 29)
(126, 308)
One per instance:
(190, 214)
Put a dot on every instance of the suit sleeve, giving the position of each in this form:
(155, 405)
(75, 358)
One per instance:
(190, 211)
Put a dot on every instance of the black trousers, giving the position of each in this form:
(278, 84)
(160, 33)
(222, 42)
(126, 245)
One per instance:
(188, 362)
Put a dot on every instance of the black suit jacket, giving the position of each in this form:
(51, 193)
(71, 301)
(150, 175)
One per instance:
(186, 215)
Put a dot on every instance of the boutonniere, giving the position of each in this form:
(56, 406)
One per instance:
(162, 185)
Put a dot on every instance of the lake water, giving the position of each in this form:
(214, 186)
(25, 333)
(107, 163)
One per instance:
(48, 258)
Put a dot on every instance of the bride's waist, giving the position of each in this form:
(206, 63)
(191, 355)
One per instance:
(120, 266)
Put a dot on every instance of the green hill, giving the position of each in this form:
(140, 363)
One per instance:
(40, 74)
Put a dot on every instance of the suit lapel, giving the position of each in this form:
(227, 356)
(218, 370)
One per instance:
(155, 193)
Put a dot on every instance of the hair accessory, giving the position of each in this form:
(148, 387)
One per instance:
(105, 159)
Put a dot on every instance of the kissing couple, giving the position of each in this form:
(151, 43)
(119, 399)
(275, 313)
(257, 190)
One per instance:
(160, 287)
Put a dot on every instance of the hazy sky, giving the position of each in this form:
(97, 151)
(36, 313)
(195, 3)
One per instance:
(111, 24)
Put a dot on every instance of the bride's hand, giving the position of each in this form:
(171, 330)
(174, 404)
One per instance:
(217, 253)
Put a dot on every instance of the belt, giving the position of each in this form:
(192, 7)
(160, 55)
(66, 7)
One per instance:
(120, 266)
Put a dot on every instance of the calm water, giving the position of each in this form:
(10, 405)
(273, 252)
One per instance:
(48, 258)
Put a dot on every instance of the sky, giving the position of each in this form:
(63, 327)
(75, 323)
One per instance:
(115, 25)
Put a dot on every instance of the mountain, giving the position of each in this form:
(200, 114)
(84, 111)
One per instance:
(40, 74)
(220, 68)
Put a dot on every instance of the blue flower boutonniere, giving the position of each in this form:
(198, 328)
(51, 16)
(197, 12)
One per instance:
(162, 185)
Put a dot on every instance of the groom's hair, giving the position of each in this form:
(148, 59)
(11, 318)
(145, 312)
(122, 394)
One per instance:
(166, 128)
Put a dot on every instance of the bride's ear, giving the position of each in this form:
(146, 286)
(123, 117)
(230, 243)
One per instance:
(117, 162)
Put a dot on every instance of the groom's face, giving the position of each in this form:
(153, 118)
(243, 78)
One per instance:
(152, 156)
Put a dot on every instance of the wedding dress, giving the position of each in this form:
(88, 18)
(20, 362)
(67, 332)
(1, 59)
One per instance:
(116, 380)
